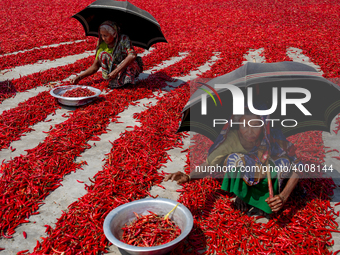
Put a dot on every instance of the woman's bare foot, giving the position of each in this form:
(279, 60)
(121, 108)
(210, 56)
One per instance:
(240, 205)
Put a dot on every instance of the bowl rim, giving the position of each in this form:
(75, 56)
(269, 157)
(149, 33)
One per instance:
(132, 248)
(97, 92)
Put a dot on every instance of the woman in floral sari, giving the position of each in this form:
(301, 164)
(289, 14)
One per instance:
(116, 56)
(247, 151)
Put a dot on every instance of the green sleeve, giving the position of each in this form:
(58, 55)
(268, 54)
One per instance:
(100, 49)
(98, 52)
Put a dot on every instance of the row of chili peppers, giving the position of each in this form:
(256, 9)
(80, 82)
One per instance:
(217, 28)
(17, 121)
(189, 63)
(44, 77)
(208, 203)
(309, 146)
(11, 87)
(49, 53)
(13, 133)
(307, 135)
(129, 172)
(220, 30)
(229, 61)
(306, 138)
(54, 25)
(29, 178)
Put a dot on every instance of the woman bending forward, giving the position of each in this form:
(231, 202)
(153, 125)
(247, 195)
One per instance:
(116, 56)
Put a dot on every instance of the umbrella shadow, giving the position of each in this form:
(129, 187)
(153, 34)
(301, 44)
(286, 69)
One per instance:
(7, 89)
(171, 85)
(335, 175)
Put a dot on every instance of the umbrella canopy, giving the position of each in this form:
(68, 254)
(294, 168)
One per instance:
(142, 28)
(323, 105)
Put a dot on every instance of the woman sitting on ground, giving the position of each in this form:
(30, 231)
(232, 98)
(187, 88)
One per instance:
(116, 56)
(249, 147)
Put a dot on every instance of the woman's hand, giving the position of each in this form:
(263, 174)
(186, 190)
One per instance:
(180, 177)
(76, 79)
(276, 203)
(113, 74)
(123, 65)
(89, 71)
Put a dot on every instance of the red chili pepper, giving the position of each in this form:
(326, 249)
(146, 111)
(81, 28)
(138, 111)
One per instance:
(22, 252)
(78, 92)
(150, 230)
(160, 186)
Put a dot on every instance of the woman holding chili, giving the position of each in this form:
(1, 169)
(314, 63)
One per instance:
(251, 147)
(116, 56)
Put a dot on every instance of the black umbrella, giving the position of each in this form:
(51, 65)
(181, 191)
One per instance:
(323, 105)
(142, 28)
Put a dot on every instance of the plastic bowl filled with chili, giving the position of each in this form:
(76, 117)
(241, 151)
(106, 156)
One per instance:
(125, 214)
(82, 99)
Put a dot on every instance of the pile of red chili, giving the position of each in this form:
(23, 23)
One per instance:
(150, 230)
(201, 28)
(29, 178)
(78, 92)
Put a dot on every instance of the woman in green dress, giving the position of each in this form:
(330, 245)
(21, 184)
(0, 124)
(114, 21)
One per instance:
(116, 56)
(248, 151)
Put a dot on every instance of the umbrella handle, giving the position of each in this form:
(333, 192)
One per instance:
(270, 186)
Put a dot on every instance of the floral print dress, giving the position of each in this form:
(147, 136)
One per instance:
(110, 58)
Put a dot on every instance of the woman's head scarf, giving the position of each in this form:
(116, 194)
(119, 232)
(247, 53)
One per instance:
(115, 28)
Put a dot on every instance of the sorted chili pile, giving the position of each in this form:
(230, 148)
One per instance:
(78, 92)
(150, 230)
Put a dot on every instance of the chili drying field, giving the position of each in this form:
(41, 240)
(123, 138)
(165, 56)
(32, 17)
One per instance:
(64, 169)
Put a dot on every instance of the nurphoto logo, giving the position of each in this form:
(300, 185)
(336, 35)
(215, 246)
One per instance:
(239, 102)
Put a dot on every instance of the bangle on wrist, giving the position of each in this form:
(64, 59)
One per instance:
(189, 177)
